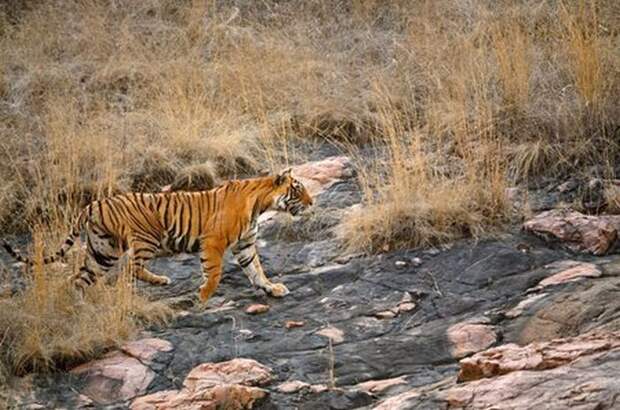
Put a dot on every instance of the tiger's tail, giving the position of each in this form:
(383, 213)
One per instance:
(75, 232)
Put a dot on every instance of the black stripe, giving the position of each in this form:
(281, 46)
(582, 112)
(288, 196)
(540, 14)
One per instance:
(244, 247)
(247, 261)
(195, 246)
(150, 241)
(101, 259)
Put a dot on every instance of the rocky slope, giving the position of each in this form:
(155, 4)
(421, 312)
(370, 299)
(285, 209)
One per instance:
(516, 321)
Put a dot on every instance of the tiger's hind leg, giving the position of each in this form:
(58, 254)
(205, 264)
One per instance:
(102, 253)
(143, 249)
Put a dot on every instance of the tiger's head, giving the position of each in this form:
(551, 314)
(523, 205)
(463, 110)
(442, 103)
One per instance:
(291, 195)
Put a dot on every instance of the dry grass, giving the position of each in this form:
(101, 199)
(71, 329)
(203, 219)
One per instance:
(47, 326)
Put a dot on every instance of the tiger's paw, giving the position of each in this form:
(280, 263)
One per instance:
(204, 294)
(278, 290)
(164, 281)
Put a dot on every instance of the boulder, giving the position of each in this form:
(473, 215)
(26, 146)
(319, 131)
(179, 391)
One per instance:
(121, 375)
(230, 385)
(594, 234)
(535, 356)
(317, 176)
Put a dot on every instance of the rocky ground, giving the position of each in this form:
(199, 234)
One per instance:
(528, 319)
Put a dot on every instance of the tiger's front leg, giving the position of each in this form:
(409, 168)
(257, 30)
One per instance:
(211, 261)
(247, 257)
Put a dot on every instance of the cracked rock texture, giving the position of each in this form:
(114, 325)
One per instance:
(537, 321)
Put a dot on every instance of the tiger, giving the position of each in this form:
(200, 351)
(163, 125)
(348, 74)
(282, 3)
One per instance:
(147, 225)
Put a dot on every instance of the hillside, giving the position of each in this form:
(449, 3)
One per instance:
(463, 157)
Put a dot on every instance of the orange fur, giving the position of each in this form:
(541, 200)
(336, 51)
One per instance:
(208, 222)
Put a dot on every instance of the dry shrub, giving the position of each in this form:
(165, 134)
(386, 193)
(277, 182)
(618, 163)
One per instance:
(199, 177)
(612, 197)
(99, 97)
(46, 326)
(412, 198)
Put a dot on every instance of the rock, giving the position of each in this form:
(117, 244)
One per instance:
(230, 385)
(317, 176)
(524, 304)
(578, 307)
(145, 349)
(416, 261)
(256, 309)
(584, 233)
(535, 356)
(572, 271)
(333, 333)
(292, 386)
(290, 324)
(590, 382)
(379, 386)
(467, 338)
(121, 375)
(386, 314)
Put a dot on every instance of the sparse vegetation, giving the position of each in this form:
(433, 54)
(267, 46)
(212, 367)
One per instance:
(47, 326)
(458, 99)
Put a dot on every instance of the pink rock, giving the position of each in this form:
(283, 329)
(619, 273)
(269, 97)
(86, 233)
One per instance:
(290, 324)
(585, 378)
(230, 385)
(386, 314)
(535, 356)
(292, 386)
(467, 338)
(586, 233)
(379, 386)
(236, 371)
(145, 349)
(333, 333)
(256, 308)
(574, 271)
(320, 175)
(115, 377)
(524, 304)
(121, 375)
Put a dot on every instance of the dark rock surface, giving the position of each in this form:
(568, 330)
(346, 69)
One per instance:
(484, 292)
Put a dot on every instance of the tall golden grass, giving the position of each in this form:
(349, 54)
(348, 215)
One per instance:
(48, 326)
(458, 99)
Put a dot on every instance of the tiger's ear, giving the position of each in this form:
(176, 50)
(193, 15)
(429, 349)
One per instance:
(282, 176)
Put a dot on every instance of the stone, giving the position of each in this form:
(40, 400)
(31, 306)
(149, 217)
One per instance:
(406, 306)
(256, 309)
(145, 349)
(318, 176)
(467, 338)
(292, 386)
(290, 324)
(524, 304)
(231, 385)
(573, 271)
(583, 233)
(535, 356)
(386, 314)
(574, 373)
(121, 375)
(380, 386)
(336, 335)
